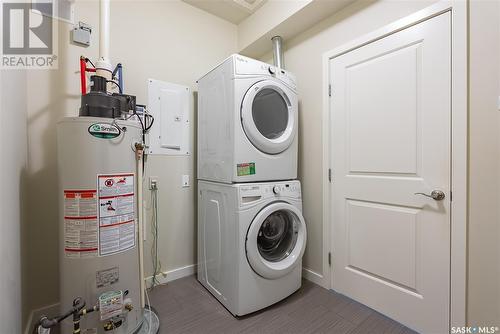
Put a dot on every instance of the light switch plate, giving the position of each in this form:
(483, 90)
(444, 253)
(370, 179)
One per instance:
(185, 181)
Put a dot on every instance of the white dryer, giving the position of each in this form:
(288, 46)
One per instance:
(251, 238)
(247, 122)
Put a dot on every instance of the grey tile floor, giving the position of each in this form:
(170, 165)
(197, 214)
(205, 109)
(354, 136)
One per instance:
(185, 306)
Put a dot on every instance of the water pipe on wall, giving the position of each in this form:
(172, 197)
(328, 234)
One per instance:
(103, 64)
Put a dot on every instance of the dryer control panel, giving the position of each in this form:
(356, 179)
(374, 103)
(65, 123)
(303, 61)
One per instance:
(253, 192)
(248, 66)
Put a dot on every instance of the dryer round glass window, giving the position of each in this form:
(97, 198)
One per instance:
(270, 113)
(277, 236)
(269, 116)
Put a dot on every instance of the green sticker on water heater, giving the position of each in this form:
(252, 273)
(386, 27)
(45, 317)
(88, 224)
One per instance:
(245, 169)
(104, 130)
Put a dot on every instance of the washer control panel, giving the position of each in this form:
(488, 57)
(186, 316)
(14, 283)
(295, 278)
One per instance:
(257, 191)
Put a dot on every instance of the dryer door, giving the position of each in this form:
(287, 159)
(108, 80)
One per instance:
(269, 116)
(276, 240)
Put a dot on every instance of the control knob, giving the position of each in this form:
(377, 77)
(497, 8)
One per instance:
(276, 190)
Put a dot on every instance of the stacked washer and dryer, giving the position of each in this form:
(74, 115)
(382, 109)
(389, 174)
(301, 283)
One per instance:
(251, 232)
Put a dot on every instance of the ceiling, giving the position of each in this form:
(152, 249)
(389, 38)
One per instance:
(234, 11)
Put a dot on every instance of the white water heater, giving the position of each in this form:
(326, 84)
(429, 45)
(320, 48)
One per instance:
(99, 253)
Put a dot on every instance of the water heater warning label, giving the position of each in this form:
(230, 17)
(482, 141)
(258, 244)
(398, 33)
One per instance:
(107, 277)
(80, 223)
(110, 304)
(116, 213)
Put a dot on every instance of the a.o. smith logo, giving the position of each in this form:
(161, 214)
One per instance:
(104, 130)
(27, 35)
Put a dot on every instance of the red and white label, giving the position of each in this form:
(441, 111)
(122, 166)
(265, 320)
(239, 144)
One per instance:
(116, 213)
(119, 184)
(80, 223)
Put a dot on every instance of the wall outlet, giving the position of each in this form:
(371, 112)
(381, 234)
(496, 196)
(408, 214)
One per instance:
(185, 181)
(153, 183)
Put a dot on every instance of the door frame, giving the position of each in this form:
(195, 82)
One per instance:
(459, 144)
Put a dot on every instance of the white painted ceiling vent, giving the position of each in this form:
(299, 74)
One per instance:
(250, 5)
(234, 11)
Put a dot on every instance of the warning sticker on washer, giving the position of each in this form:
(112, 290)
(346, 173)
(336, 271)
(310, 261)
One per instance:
(110, 304)
(245, 169)
(80, 223)
(116, 213)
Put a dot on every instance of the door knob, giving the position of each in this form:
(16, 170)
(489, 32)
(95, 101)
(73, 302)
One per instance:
(437, 195)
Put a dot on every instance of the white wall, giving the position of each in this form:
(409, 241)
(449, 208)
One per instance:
(12, 164)
(484, 164)
(164, 40)
(303, 56)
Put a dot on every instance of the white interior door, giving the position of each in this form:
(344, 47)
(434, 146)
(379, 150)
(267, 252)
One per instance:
(390, 138)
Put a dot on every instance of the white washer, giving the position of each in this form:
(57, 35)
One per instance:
(251, 238)
(247, 122)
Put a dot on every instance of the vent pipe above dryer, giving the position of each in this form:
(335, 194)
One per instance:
(278, 51)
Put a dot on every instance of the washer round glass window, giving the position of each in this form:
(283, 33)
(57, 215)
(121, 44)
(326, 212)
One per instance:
(270, 113)
(277, 235)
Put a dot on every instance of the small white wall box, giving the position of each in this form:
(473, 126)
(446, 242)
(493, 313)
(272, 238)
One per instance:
(170, 105)
(81, 34)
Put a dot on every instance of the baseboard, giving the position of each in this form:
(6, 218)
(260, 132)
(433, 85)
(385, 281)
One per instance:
(34, 316)
(314, 277)
(172, 275)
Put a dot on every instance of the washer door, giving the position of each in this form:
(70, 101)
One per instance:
(269, 116)
(276, 240)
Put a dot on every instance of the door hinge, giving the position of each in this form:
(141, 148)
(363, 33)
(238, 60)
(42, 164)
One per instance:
(330, 259)
(330, 90)
(330, 175)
